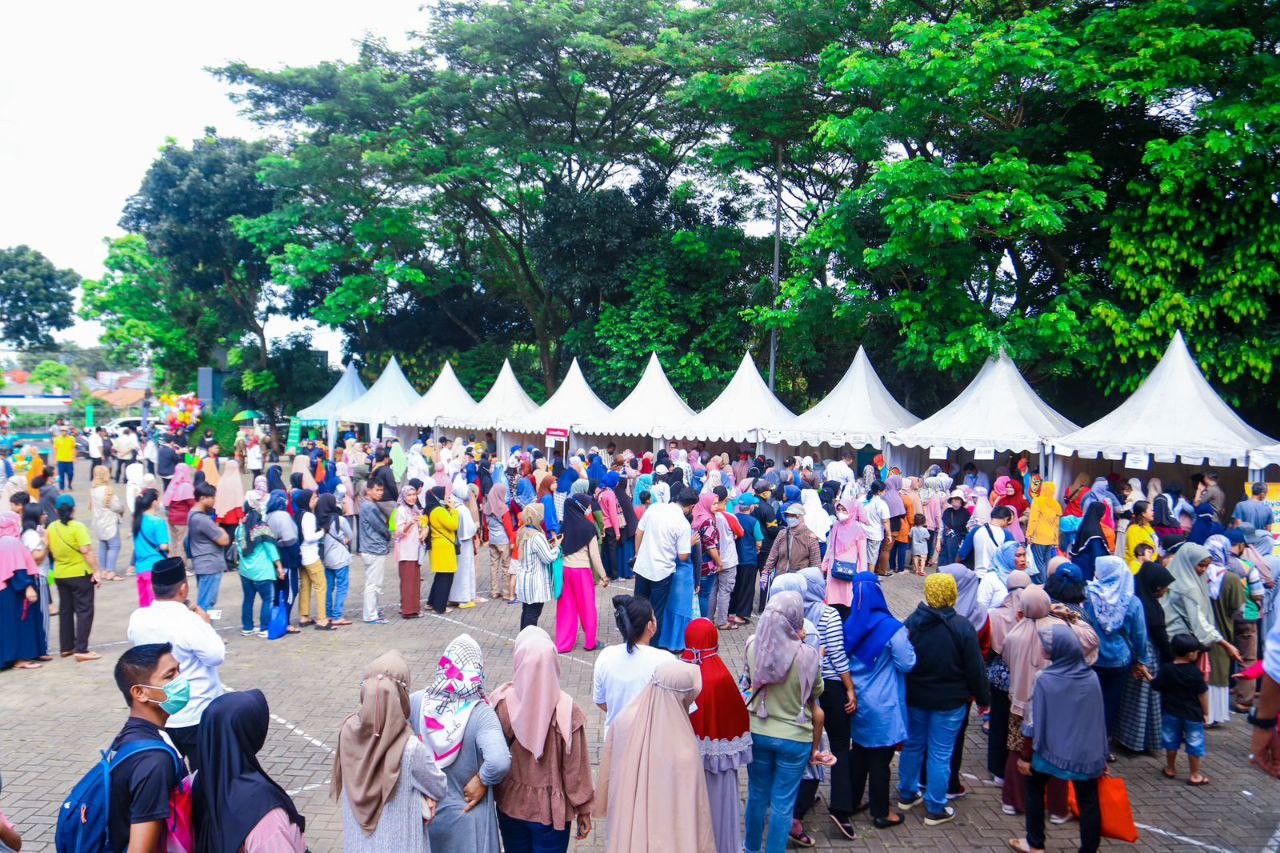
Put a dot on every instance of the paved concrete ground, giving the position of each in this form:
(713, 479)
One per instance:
(53, 721)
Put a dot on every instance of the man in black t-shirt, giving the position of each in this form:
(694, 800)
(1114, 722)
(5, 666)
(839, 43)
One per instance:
(141, 784)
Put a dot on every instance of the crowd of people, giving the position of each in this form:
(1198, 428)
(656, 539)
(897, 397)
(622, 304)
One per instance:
(1069, 626)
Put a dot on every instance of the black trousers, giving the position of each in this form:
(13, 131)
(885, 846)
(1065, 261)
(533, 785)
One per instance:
(657, 592)
(997, 738)
(75, 613)
(837, 725)
(530, 614)
(438, 598)
(185, 739)
(744, 591)
(609, 554)
(869, 771)
(806, 796)
(1090, 812)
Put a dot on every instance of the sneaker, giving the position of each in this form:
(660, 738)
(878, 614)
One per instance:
(246, 633)
(958, 795)
(263, 634)
(1059, 819)
(467, 605)
(378, 621)
(1008, 809)
(910, 803)
(947, 814)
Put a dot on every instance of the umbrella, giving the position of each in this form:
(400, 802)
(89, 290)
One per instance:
(249, 415)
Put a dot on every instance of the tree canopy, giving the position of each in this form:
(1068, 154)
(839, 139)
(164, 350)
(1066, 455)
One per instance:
(35, 297)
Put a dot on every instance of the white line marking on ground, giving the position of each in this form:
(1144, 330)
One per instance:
(503, 637)
(1274, 843)
(296, 791)
(96, 646)
(316, 742)
(1181, 838)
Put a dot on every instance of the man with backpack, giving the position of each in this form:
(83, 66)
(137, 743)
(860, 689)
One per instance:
(144, 768)
(174, 621)
(985, 540)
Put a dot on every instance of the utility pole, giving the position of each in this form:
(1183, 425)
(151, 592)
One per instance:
(777, 255)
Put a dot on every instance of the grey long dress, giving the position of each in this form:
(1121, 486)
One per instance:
(400, 825)
(484, 751)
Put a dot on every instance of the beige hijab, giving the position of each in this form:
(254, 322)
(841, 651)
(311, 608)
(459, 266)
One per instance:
(650, 761)
(372, 740)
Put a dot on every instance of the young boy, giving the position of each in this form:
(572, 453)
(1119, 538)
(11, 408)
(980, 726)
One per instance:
(1184, 706)
(919, 544)
(1144, 553)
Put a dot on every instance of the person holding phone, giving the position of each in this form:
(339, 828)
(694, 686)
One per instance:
(537, 552)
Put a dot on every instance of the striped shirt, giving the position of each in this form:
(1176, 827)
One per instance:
(835, 662)
(533, 570)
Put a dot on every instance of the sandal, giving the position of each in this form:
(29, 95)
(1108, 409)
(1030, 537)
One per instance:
(305, 622)
(728, 626)
(26, 664)
(292, 629)
(802, 840)
(1204, 780)
(1167, 773)
(845, 826)
(888, 822)
(341, 621)
(1021, 845)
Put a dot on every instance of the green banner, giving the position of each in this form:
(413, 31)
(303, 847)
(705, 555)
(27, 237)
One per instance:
(88, 417)
(295, 436)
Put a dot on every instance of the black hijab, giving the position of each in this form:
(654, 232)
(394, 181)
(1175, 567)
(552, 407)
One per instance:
(275, 482)
(1090, 527)
(577, 529)
(232, 792)
(1150, 578)
(295, 479)
(434, 498)
(326, 511)
(628, 508)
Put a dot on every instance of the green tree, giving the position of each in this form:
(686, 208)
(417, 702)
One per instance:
(296, 376)
(35, 297)
(51, 375)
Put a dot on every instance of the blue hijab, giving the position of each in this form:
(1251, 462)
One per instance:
(566, 481)
(610, 480)
(1206, 524)
(278, 501)
(550, 518)
(596, 470)
(644, 483)
(525, 493)
(1005, 559)
(870, 625)
(330, 483)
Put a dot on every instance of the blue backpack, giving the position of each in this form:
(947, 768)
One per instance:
(82, 821)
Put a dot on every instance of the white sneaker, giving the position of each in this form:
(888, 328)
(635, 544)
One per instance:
(1059, 819)
(1008, 809)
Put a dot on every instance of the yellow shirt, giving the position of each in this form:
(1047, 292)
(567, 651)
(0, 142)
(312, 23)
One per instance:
(64, 448)
(65, 542)
(444, 540)
(1135, 535)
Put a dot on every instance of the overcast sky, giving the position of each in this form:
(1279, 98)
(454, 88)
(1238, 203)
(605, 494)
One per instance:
(89, 91)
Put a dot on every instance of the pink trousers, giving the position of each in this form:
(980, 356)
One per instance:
(577, 604)
(145, 595)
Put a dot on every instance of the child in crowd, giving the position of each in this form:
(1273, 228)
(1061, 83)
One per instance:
(919, 544)
(1184, 707)
(1143, 553)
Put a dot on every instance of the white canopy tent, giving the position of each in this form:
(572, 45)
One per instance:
(505, 402)
(446, 396)
(390, 394)
(746, 410)
(346, 390)
(998, 411)
(1174, 415)
(652, 406)
(572, 404)
(859, 411)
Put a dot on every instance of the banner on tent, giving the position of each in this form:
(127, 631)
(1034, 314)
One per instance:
(1137, 461)
(937, 453)
(1273, 500)
(984, 453)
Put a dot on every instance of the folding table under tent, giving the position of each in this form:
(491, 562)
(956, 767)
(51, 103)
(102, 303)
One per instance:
(445, 397)
(997, 411)
(506, 401)
(859, 411)
(391, 393)
(652, 407)
(1174, 416)
(573, 403)
(745, 411)
(346, 390)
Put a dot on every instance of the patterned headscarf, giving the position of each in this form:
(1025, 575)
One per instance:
(456, 691)
(940, 590)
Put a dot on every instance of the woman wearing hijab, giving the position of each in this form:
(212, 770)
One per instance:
(550, 512)
(722, 726)
(236, 806)
(1025, 657)
(611, 512)
(302, 467)
(386, 778)
(815, 517)
(417, 467)
(406, 544)
(209, 466)
(1138, 726)
(582, 570)
(22, 635)
(1206, 524)
(847, 546)
(651, 790)
(462, 590)
(1090, 542)
(501, 527)
(465, 737)
(1007, 492)
(785, 682)
(442, 521)
(1042, 527)
(1116, 616)
(228, 503)
(549, 783)
(1066, 739)
(1227, 594)
(1141, 531)
(1000, 621)
(898, 518)
(1188, 607)
(335, 553)
(532, 565)
(1075, 495)
(1009, 557)
(880, 655)
(630, 523)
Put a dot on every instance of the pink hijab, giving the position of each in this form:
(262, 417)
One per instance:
(534, 698)
(182, 487)
(702, 512)
(848, 535)
(14, 557)
(230, 494)
(981, 508)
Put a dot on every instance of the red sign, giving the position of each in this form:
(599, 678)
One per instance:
(557, 432)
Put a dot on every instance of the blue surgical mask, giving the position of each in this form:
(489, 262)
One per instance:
(793, 520)
(177, 694)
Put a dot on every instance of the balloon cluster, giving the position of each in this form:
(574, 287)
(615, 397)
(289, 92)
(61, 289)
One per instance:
(180, 411)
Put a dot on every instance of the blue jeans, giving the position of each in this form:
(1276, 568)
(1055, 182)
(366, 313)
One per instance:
(1175, 731)
(706, 595)
(935, 731)
(337, 581)
(525, 836)
(773, 778)
(626, 553)
(66, 475)
(207, 587)
(109, 552)
(262, 589)
(1043, 554)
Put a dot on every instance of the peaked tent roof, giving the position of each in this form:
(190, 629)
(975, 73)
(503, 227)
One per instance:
(390, 394)
(505, 401)
(858, 411)
(650, 407)
(997, 410)
(573, 403)
(446, 396)
(1174, 413)
(745, 410)
(347, 390)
